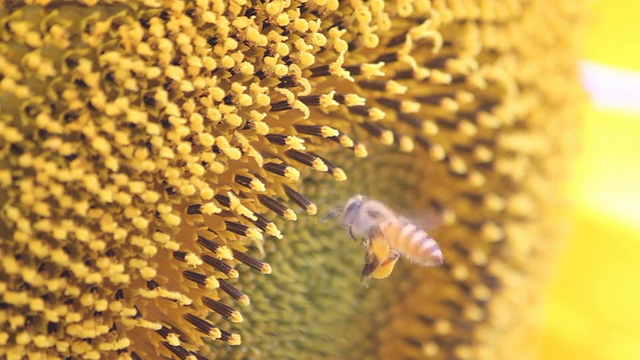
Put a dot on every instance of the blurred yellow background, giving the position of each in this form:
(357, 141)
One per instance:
(593, 303)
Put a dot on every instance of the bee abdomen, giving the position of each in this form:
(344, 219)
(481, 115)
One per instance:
(417, 245)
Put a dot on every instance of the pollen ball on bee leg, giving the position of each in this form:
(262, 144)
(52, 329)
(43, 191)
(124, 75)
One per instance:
(380, 260)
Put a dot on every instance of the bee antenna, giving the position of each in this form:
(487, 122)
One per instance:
(331, 214)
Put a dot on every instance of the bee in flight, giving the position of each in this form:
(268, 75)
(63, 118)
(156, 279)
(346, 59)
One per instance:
(387, 236)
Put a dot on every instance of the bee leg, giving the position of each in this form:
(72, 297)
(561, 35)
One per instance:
(370, 265)
(375, 232)
(351, 233)
(366, 275)
(370, 256)
(384, 269)
(393, 257)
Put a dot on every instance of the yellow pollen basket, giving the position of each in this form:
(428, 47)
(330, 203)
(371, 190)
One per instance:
(381, 257)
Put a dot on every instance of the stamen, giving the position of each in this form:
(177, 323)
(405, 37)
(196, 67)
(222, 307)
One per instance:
(222, 309)
(300, 200)
(277, 207)
(252, 262)
(234, 292)
(203, 326)
(220, 265)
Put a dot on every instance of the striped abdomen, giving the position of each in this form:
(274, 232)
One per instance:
(412, 242)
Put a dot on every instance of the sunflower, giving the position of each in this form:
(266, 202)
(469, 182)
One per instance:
(591, 310)
(161, 162)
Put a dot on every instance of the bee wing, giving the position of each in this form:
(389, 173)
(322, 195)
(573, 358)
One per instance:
(431, 216)
(425, 220)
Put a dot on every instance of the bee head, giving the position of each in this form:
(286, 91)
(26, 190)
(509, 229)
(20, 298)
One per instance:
(352, 208)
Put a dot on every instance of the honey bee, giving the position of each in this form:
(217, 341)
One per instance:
(387, 237)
